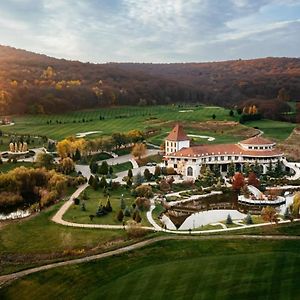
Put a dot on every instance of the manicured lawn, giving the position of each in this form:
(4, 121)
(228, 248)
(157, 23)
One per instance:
(117, 119)
(122, 167)
(233, 269)
(39, 236)
(75, 214)
(274, 129)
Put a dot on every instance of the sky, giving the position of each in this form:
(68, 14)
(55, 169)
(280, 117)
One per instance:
(152, 30)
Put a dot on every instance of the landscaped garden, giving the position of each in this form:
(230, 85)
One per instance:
(119, 197)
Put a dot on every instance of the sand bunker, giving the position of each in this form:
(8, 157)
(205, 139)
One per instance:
(185, 111)
(209, 138)
(83, 134)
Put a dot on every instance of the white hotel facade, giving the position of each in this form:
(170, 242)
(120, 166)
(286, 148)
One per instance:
(187, 160)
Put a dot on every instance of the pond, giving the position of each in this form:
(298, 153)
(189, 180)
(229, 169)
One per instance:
(18, 214)
(218, 205)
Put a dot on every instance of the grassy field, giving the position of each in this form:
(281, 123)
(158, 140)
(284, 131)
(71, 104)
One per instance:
(232, 269)
(75, 214)
(123, 119)
(38, 238)
(274, 129)
(118, 119)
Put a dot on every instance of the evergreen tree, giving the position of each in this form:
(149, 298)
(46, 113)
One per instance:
(246, 169)
(257, 169)
(91, 180)
(129, 174)
(108, 207)
(216, 170)
(96, 183)
(248, 219)
(270, 168)
(94, 167)
(103, 182)
(110, 170)
(138, 179)
(127, 212)
(228, 220)
(147, 175)
(120, 215)
(231, 169)
(77, 155)
(123, 204)
(278, 171)
(287, 214)
(103, 170)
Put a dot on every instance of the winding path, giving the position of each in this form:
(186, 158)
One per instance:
(7, 279)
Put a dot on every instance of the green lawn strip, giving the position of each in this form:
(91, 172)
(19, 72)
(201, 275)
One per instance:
(96, 198)
(292, 228)
(122, 167)
(274, 129)
(207, 269)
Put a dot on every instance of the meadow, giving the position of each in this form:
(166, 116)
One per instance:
(186, 269)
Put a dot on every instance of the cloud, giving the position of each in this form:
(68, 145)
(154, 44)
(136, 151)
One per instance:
(152, 31)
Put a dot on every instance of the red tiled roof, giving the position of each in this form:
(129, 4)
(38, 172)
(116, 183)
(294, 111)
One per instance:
(177, 134)
(257, 140)
(222, 149)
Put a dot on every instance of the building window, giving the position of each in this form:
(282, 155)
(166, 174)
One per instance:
(194, 160)
(175, 166)
(189, 171)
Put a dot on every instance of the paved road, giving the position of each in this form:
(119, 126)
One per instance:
(126, 158)
(6, 279)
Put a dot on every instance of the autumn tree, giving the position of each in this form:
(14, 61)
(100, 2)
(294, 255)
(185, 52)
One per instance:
(253, 180)
(44, 160)
(139, 150)
(269, 214)
(238, 181)
(296, 204)
(67, 165)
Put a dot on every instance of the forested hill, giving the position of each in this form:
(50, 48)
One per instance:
(34, 83)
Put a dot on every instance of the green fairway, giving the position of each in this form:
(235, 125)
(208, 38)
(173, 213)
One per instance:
(117, 119)
(232, 269)
(273, 129)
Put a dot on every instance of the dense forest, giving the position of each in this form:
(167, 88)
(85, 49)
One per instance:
(34, 83)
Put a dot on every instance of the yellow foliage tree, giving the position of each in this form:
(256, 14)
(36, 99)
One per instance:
(296, 204)
(139, 150)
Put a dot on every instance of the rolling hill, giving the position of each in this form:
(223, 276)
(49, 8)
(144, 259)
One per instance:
(35, 83)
